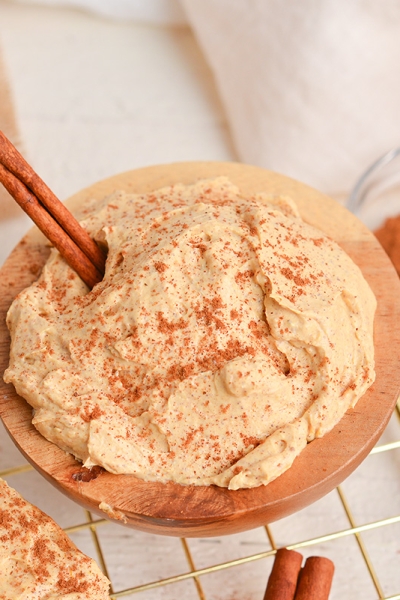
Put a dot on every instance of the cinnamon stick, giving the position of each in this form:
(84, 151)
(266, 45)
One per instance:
(50, 228)
(282, 581)
(15, 163)
(315, 579)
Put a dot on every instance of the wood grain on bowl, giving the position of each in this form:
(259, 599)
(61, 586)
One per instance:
(172, 509)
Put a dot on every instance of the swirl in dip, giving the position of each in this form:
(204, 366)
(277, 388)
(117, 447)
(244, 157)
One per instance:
(226, 334)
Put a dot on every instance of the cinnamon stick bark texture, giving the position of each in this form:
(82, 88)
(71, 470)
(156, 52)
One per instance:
(315, 579)
(282, 581)
(50, 228)
(50, 215)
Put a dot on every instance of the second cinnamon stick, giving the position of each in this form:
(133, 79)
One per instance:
(282, 581)
(315, 579)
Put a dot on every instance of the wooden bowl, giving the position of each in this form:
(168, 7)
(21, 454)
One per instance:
(191, 511)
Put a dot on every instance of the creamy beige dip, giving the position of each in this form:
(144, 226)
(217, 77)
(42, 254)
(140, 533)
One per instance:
(226, 334)
(38, 560)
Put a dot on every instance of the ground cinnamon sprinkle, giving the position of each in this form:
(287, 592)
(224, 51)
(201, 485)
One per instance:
(389, 237)
(38, 557)
(160, 266)
(198, 356)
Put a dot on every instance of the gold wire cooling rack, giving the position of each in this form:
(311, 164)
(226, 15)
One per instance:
(366, 552)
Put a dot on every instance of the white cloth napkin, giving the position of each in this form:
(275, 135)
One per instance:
(156, 12)
(311, 88)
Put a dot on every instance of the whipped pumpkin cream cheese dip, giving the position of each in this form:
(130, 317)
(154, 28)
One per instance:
(226, 334)
(38, 561)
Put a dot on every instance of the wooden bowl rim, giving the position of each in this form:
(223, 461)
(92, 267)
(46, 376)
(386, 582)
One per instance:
(199, 511)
